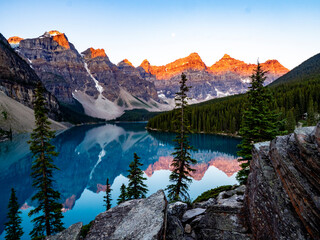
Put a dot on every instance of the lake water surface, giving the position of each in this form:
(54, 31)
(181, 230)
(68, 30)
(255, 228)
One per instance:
(90, 154)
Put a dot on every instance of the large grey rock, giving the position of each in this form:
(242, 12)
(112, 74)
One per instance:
(191, 214)
(270, 211)
(316, 136)
(177, 209)
(295, 158)
(135, 219)
(206, 204)
(175, 229)
(71, 233)
(232, 201)
(224, 220)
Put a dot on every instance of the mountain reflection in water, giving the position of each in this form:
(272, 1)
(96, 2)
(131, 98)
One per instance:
(90, 154)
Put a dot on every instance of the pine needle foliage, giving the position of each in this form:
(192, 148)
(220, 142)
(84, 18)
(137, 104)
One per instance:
(48, 212)
(13, 226)
(107, 198)
(136, 188)
(180, 175)
(123, 194)
(259, 122)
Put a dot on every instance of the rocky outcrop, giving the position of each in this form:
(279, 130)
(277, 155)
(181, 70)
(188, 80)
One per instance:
(18, 80)
(71, 233)
(221, 218)
(283, 187)
(135, 219)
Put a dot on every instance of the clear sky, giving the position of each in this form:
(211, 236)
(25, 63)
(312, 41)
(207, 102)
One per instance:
(164, 30)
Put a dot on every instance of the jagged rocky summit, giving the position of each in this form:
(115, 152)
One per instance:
(280, 201)
(105, 90)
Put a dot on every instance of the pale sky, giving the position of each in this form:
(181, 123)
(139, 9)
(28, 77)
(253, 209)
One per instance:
(164, 30)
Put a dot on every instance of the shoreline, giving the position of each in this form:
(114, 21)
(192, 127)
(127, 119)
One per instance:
(212, 133)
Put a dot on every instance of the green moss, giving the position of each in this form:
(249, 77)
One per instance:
(213, 193)
(85, 229)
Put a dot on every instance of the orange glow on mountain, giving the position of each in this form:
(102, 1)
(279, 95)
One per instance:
(14, 40)
(97, 52)
(229, 64)
(274, 67)
(224, 65)
(60, 38)
(193, 61)
(54, 32)
(127, 62)
(227, 165)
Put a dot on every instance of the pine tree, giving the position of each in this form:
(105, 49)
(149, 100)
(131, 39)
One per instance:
(259, 122)
(12, 227)
(310, 113)
(48, 212)
(136, 188)
(180, 175)
(291, 121)
(123, 194)
(107, 198)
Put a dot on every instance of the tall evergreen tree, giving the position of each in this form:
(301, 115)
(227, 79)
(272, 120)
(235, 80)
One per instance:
(310, 113)
(136, 188)
(123, 194)
(48, 212)
(259, 122)
(180, 175)
(291, 121)
(12, 227)
(107, 198)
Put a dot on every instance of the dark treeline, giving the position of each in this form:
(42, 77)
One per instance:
(293, 98)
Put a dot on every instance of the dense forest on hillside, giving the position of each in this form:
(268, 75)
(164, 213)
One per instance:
(295, 94)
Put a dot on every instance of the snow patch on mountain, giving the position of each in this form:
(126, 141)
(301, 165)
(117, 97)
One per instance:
(98, 86)
(246, 80)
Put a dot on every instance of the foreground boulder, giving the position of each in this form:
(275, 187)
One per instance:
(71, 233)
(135, 219)
(224, 220)
(283, 197)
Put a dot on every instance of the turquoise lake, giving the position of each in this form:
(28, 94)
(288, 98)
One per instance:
(90, 154)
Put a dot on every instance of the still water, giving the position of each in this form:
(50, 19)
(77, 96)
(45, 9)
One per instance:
(90, 154)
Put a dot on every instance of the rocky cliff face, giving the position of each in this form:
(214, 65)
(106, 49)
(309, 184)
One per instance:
(283, 197)
(18, 80)
(58, 64)
(114, 78)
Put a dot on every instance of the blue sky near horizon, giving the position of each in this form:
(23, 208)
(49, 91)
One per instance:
(162, 30)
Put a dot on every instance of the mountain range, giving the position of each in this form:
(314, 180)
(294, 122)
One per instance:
(105, 90)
